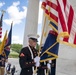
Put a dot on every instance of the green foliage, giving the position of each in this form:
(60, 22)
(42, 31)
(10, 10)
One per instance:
(13, 54)
(37, 46)
(16, 47)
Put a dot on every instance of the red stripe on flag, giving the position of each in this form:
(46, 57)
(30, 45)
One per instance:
(61, 17)
(54, 6)
(43, 5)
(75, 39)
(0, 32)
(51, 15)
(0, 36)
(47, 12)
(64, 2)
(70, 19)
(54, 17)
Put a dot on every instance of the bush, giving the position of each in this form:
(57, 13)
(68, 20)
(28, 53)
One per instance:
(16, 47)
(13, 54)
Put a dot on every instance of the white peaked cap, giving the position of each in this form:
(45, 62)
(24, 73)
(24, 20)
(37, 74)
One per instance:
(33, 36)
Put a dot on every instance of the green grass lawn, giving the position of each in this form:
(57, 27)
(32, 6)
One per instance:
(13, 54)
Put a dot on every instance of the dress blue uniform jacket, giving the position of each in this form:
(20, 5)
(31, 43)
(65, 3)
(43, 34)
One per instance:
(2, 61)
(26, 61)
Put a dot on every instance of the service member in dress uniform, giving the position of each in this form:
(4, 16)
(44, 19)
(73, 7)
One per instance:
(43, 67)
(3, 60)
(53, 67)
(28, 57)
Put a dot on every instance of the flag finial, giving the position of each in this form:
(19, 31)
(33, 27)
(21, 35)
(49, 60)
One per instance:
(3, 11)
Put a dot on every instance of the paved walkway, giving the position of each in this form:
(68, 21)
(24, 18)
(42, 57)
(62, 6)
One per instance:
(15, 61)
(64, 66)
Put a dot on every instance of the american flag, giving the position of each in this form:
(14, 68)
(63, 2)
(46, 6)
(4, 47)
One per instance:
(50, 7)
(1, 25)
(68, 14)
(61, 13)
(44, 3)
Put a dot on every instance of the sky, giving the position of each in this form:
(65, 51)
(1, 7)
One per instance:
(16, 11)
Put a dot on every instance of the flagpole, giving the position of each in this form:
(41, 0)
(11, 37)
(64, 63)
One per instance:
(42, 36)
(12, 23)
(3, 11)
(41, 41)
(11, 26)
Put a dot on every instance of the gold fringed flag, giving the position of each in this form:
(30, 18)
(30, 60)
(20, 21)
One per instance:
(61, 13)
(50, 48)
(67, 16)
(3, 43)
(8, 42)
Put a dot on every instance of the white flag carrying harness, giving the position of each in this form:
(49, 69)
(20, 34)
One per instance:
(32, 58)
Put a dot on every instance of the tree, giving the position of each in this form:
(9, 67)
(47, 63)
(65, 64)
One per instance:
(37, 47)
(16, 47)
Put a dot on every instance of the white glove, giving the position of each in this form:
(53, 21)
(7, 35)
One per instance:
(37, 64)
(37, 59)
(48, 66)
(50, 61)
